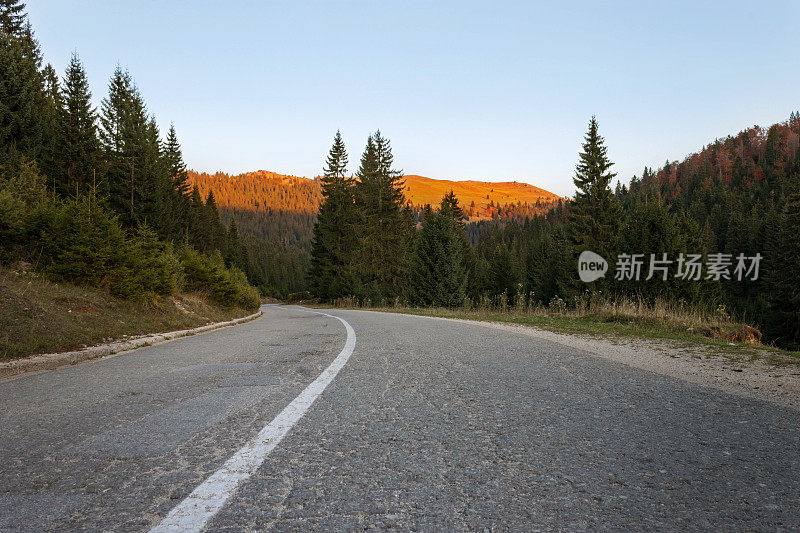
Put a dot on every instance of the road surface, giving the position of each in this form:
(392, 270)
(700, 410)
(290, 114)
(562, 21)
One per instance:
(426, 425)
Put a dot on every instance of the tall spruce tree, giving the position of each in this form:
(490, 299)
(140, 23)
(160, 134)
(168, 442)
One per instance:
(212, 225)
(438, 270)
(49, 115)
(503, 275)
(22, 97)
(783, 315)
(79, 150)
(180, 194)
(335, 238)
(387, 232)
(173, 156)
(595, 213)
(115, 110)
(12, 16)
(138, 178)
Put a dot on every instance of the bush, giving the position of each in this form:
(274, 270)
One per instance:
(147, 266)
(21, 196)
(81, 243)
(85, 245)
(228, 287)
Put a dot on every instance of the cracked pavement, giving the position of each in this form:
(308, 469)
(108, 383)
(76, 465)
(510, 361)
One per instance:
(430, 425)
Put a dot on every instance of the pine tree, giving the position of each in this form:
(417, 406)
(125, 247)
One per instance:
(175, 164)
(138, 177)
(213, 226)
(180, 193)
(199, 232)
(595, 216)
(157, 189)
(116, 109)
(783, 316)
(49, 115)
(541, 260)
(79, 152)
(388, 229)
(335, 238)
(503, 274)
(22, 97)
(438, 273)
(235, 253)
(12, 17)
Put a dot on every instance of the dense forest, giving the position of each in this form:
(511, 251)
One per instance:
(275, 214)
(101, 198)
(718, 231)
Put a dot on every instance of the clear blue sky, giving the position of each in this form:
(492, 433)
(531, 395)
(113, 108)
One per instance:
(490, 90)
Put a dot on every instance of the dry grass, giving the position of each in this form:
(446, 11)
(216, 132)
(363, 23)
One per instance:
(600, 317)
(661, 312)
(38, 316)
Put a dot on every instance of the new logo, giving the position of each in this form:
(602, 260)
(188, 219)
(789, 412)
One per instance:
(591, 266)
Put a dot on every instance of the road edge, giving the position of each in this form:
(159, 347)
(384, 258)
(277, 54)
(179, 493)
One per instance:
(37, 363)
(753, 379)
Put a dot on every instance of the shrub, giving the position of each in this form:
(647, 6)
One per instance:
(147, 266)
(85, 245)
(82, 243)
(21, 195)
(228, 287)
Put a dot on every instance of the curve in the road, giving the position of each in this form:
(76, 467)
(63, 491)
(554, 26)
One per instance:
(208, 498)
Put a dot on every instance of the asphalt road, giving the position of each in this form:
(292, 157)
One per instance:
(429, 425)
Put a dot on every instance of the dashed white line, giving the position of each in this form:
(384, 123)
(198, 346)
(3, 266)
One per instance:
(193, 513)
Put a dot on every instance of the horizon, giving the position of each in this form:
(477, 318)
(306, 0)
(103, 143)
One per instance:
(470, 93)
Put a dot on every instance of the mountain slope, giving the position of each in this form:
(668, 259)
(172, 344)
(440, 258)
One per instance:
(269, 191)
(275, 213)
(421, 190)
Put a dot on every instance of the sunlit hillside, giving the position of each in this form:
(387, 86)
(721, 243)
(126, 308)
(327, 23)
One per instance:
(263, 191)
(275, 213)
(477, 197)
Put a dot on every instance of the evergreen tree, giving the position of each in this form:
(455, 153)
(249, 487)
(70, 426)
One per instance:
(438, 272)
(212, 225)
(179, 196)
(22, 97)
(175, 165)
(595, 215)
(115, 111)
(49, 115)
(783, 318)
(335, 238)
(199, 232)
(541, 283)
(12, 17)
(138, 178)
(388, 228)
(157, 193)
(235, 253)
(79, 150)
(503, 274)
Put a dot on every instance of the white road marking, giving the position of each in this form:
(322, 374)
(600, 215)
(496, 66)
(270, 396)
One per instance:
(193, 513)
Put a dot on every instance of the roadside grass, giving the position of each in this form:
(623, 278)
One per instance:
(39, 316)
(682, 325)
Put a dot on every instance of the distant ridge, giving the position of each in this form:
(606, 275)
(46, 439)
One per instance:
(263, 190)
(421, 190)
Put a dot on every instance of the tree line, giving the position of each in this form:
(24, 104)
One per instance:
(100, 198)
(738, 196)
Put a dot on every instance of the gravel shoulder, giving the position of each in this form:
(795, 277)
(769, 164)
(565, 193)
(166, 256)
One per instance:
(738, 371)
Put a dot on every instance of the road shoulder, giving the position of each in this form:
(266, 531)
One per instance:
(730, 371)
(37, 363)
